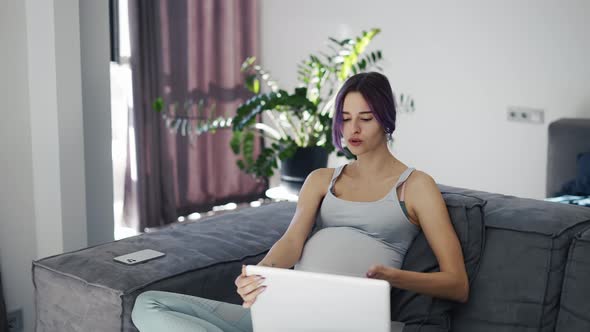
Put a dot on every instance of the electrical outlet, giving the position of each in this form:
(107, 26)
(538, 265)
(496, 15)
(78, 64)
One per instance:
(15, 320)
(525, 114)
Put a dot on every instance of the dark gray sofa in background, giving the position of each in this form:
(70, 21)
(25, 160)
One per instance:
(528, 262)
(568, 138)
(3, 313)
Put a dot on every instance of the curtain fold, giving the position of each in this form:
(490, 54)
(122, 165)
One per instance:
(183, 51)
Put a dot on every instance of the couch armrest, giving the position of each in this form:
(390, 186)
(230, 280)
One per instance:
(202, 258)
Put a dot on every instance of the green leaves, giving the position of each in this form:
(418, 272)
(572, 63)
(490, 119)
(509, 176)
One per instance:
(254, 74)
(266, 161)
(313, 73)
(158, 104)
(366, 62)
(351, 51)
(243, 142)
(236, 142)
(406, 104)
(297, 114)
(280, 101)
(190, 118)
(322, 74)
(292, 120)
(252, 83)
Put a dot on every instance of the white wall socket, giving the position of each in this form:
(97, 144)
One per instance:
(525, 114)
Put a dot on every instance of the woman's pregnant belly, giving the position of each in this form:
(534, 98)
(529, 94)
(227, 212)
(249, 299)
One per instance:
(345, 251)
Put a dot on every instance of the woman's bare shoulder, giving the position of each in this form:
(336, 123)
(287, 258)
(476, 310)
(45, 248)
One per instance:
(322, 175)
(421, 181)
(319, 179)
(420, 187)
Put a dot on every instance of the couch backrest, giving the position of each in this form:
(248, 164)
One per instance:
(519, 282)
(574, 308)
(567, 139)
(422, 312)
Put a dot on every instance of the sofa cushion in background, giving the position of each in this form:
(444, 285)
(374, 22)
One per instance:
(422, 312)
(574, 309)
(521, 272)
(567, 139)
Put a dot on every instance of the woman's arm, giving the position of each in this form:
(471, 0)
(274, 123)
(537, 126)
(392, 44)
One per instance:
(286, 252)
(432, 214)
(437, 284)
(283, 254)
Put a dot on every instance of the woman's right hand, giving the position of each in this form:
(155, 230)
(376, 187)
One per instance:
(249, 287)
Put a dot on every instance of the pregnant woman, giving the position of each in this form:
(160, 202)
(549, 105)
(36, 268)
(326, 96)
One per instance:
(366, 214)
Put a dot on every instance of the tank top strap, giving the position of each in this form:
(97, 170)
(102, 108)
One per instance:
(335, 175)
(404, 176)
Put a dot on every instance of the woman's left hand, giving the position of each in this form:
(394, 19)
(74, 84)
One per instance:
(382, 272)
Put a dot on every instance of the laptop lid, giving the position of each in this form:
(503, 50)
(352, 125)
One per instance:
(309, 301)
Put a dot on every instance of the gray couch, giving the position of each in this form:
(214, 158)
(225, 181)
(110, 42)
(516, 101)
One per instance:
(567, 139)
(3, 314)
(528, 263)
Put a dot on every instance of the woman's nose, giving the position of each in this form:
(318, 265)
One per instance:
(356, 127)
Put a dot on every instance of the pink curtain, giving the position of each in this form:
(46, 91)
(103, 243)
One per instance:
(186, 50)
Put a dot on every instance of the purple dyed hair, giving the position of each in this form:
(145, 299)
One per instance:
(376, 90)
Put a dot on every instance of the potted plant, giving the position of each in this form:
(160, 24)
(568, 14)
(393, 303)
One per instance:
(297, 125)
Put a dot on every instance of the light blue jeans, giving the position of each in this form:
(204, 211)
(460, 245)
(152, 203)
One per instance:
(164, 311)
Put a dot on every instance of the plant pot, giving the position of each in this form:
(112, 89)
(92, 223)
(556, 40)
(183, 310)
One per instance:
(295, 170)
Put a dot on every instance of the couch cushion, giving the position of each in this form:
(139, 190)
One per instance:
(574, 309)
(521, 272)
(422, 312)
(202, 259)
(524, 214)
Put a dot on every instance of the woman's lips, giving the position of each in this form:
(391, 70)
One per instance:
(355, 142)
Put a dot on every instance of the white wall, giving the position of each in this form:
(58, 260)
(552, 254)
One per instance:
(18, 244)
(95, 65)
(464, 62)
(56, 119)
(43, 179)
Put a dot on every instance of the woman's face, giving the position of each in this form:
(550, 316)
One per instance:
(361, 131)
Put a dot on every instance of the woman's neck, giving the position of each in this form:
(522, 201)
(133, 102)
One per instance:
(375, 164)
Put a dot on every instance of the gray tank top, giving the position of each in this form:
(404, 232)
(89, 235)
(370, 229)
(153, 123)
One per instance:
(349, 236)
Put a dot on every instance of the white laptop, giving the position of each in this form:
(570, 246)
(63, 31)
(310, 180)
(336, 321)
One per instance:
(307, 301)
